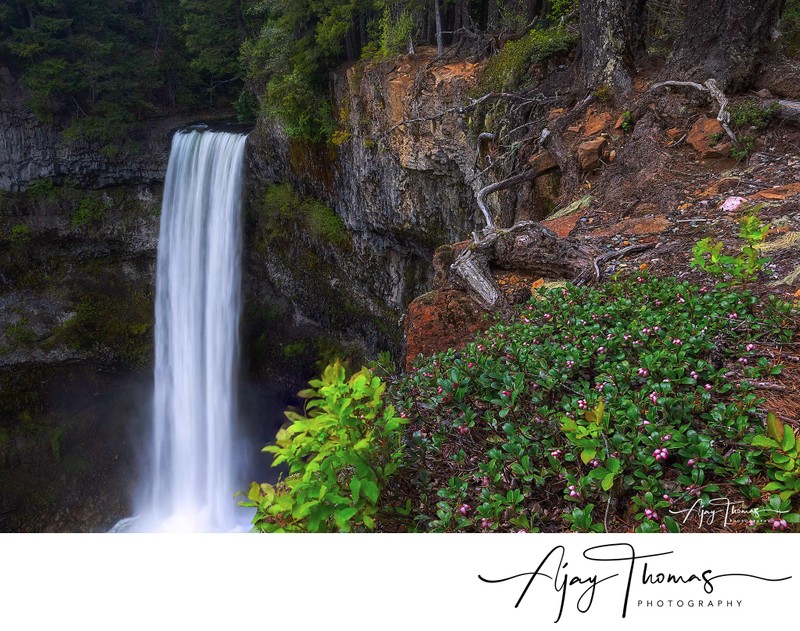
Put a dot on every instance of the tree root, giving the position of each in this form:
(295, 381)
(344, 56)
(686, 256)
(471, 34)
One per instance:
(710, 86)
(584, 278)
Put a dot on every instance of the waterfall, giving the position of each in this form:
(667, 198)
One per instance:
(191, 481)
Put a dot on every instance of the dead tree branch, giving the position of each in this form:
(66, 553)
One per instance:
(480, 198)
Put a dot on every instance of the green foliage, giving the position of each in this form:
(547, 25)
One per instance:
(395, 33)
(790, 26)
(508, 68)
(749, 113)
(604, 94)
(590, 396)
(101, 68)
(90, 211)
(627, 121)
(21, 332)
(710, 256)
(285, 212)
(745, 148)
(340, 454)
(20, 233)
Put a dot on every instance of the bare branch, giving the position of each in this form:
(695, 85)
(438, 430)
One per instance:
(499, 186)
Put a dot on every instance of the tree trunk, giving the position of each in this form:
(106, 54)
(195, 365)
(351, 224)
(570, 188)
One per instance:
(492, 16)
(722, 39)
(439, 39)
(608, 33)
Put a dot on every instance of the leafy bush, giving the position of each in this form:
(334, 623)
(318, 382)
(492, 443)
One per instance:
(340, 455)
(749, 113)
(286, 211)
(395, 33)
(507, 69)
(743, 267)
(90, 210)
(20, 233)
(596, 408)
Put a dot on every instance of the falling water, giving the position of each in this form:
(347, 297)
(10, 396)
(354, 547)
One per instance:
(191, 477)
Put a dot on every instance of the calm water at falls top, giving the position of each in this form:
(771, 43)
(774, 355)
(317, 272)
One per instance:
(190, 478)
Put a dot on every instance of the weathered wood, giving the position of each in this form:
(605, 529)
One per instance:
(480, 198)
(473, 269)
(789, 111)
(529, 247)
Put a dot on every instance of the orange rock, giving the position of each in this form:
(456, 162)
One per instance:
(563, 225)
(704, 133)
(777, 193)
(590, 153)
(555, 113)
(542, 162)
(575, 128)
(596, 123)
(675, 133)
(440, 320)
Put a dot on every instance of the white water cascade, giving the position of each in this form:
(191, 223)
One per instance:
(191, 480)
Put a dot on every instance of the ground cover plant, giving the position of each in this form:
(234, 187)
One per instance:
(626, 407)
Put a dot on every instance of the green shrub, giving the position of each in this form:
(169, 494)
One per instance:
(395, 33)
(90, 211)
(340, 454)
(20, 233)
(507, 69)
(749, 113)
(710, 256)
(597, 408)
(285, 211)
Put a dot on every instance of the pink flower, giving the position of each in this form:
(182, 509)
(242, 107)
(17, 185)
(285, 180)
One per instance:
(643, 372)
(547, 316)
(690, 462)
(557, 453)
(749, 347)
(694, 375)
(743, 360)
(654, 398)
(484, 481)
(639, 279)
(677, 342)
(594, 463)
(732, 203)
(666, 437)
(733, 316)
(463, 430)
(601, 350)
(661, 454)
(583, 405)
(464, 509)
(650, 514)
(485, 523)
(708, 387)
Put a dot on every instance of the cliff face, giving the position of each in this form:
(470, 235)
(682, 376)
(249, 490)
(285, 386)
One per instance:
(398, 189)
(32, 150)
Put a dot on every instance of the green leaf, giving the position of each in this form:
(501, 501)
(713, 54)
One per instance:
(774, 427)
(608, 482)
(588, 454)
(343, 516)
(788, 439)
(355, 488)
(763, 441)
(370, 490)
